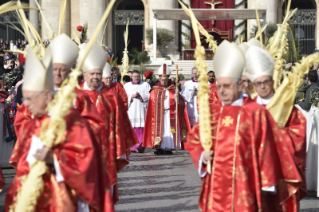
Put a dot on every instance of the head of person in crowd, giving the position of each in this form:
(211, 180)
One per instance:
(126, 79)
(228, 66)
(211, 76)
(93, 65)
(129, 73)
(148, 76)
(247, 85)
(259, 70)
(115, 72)
(38, 84)
(173, 81)
(194, 74)
(107, 76)
(136, 77)
(312, 77)
(64, 55)
(164, 73)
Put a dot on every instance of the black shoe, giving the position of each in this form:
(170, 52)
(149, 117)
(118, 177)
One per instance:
(168, 152)
(140, 149)
(159, 152)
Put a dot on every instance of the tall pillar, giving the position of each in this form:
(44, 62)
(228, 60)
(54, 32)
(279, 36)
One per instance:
(272, 11)
(186, 26)
(51, 11)
(239, 30)
(91, 12)
(34, 16)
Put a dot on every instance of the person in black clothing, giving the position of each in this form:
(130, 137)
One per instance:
(312, 79)
(2, 70)
(115, 74)
(126, 79)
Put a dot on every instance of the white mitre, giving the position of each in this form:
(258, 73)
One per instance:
(38, 74)
(229, 61)
(254, 42)
(64, 50)
(96, 58)
(107, 70)
(258, 63)
(244, 47)
(164, 71)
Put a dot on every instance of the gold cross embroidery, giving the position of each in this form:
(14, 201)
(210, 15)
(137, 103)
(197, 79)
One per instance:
(227, 121)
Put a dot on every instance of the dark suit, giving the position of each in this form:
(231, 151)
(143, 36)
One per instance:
(306, 104)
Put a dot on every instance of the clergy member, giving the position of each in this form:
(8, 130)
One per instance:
(259, 70)
(149, 78)
(189, 92)
(138, 93)
(213, 96)
(64, 55)
(160, 124)
(115, 86)
(117, 135)
(75, 177)
(243, 155)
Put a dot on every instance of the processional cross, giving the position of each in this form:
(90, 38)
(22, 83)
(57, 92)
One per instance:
(213, 4)
(176, 115)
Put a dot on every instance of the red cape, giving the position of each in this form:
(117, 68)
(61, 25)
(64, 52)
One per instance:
(79, 159)
(119, 89)
(154, 115)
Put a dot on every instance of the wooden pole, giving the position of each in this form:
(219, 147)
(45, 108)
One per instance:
(176, 115)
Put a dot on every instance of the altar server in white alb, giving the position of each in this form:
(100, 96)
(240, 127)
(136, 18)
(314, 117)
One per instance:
(189, 93)
(138, 93)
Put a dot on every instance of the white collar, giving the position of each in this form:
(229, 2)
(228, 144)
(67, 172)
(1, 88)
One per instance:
(56, 89)
(86, 87)
(238, 102)
(266, 101)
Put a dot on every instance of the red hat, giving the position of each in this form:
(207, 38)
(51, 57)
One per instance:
(148, 74)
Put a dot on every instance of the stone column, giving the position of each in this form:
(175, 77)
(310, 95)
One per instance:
(51, 11)
(186, 26)
(34, 16)
(239, 30)
(91, 12)
(272, 11)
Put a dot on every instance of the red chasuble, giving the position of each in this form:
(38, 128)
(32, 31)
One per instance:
(117, 136)
(294, 134)
(154, 120)
(2, 182)
(213, 95)
(82, 104)
(245, 161)
(119, 89)
(78, 156)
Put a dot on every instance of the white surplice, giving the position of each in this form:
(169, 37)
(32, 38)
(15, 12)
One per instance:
(312, 163)
(191, 100)
(168, 141)
(136, 108)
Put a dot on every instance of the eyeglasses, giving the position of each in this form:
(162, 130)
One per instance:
(266, 82)
(225, 86)
(32, 98)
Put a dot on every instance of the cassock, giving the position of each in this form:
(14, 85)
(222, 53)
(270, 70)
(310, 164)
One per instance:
(187, 93)
(213, 94)
(82, 103)
(294, 134)
(77, 180)
(117, 136)
(2, 182)
(119, 89)
(137, 107)
(160, 124)
(245, 161)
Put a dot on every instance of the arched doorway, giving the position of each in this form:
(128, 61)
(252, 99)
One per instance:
(304, 24)
(132, 11)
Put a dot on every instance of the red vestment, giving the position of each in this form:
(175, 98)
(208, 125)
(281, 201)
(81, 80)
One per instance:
(2, 182)
(117, 136)
(294, 134)
(78, 156)
(154, 120)
(245, 161)
(119, 89)
(213, 95)
(82, 104)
